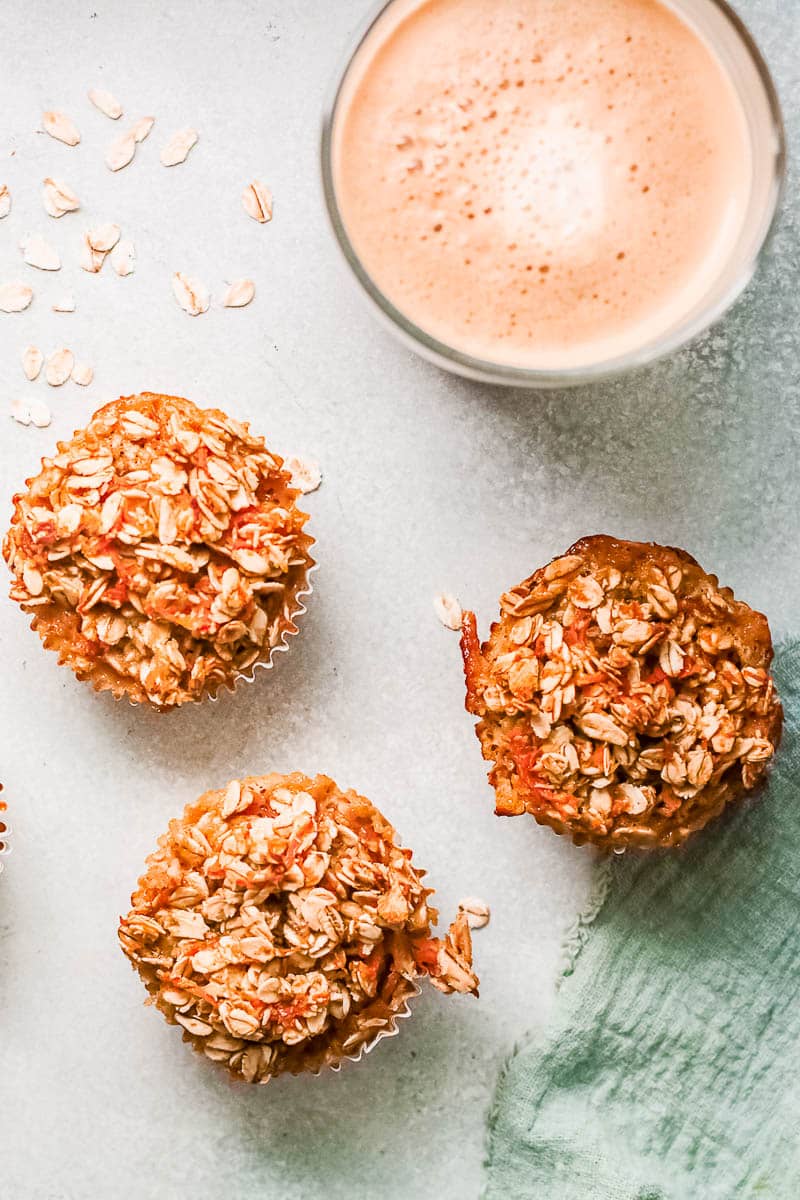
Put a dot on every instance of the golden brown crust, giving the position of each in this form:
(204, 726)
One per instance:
(280, 923)
(160, 551)
(624, 697)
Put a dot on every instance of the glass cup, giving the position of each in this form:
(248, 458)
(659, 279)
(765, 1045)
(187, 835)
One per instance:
(735, 48)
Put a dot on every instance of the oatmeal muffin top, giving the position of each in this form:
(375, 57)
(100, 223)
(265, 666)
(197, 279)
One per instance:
(160, 550)
(623, 696)
(280, 923)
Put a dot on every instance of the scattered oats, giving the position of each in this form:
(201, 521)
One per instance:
(82, 374)
(448, 610)
(58, 198)
(306, 474)
(61, 127)
(121, 152)
(5, 200)
(476, 911)
(32, 412)
(89, 259)
(239, 293)
(59, 367)
(257, 201)
(103, 237)
(190, 293)
(14, 297)
(142, 128)
(40, 254)
(178, 147)
(65, 303)
(20, 411)
(123, 257)
(32, 359)
(107, 103)
(40, 414)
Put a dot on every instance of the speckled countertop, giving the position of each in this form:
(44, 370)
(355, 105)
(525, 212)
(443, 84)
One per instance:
(430, 483)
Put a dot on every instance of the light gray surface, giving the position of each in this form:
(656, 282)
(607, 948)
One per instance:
(429, 483)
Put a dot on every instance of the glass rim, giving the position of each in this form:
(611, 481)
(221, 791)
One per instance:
(487, 370)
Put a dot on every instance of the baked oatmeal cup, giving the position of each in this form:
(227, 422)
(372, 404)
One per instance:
(280, 924)
(160, 551)
(623, 697)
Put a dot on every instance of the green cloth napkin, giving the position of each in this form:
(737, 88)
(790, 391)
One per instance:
(671, 1069)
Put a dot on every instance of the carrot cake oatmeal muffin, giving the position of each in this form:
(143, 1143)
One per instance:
(283, 927)
(623, 697)
(160, 551)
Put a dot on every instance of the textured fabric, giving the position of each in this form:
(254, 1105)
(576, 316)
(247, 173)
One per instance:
(671, 1069)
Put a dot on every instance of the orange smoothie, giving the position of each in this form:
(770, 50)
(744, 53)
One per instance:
(541, 183)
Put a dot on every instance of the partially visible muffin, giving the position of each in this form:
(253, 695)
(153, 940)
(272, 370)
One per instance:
(623, 697)
(161, 550)
(4, 830)
(282, 926)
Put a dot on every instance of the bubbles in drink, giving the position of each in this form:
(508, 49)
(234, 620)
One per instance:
(577, 170)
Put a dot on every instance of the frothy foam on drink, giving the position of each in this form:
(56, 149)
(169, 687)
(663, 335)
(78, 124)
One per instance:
(541, 183)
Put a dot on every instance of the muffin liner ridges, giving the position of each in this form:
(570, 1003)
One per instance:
(284, 928)
(623, 697)
(117, 688)
(161, 552)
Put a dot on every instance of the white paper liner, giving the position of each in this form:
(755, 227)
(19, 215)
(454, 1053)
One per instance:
(120, 692)
(281, 646)
(388, 1031)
